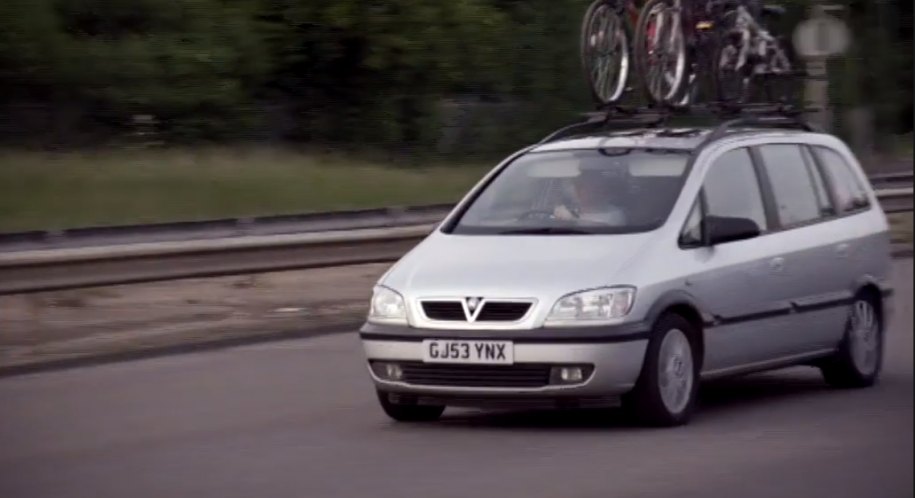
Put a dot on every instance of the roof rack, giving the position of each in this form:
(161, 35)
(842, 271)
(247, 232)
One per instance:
(747, 115)
(617, 117)
(789, 122)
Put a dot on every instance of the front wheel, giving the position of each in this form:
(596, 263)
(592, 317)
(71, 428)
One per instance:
(605, 52)
(660, 53)
(859, 359)
(409, 412)
(665, 393)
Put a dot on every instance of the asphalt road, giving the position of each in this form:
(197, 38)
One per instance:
(299, 419)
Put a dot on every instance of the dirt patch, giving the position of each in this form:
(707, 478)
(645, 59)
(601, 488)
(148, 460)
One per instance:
(901, 226)
(51, 326)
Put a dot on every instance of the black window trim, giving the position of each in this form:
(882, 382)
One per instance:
(814, 167)
(773, 224)
(827, 179)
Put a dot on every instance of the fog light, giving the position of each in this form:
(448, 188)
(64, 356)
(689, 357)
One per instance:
(387, 371)
(393, 371)
(570, 374)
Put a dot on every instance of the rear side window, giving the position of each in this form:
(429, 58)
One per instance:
(849, 192)
(824, 203)
(796, 185)
(731, 188)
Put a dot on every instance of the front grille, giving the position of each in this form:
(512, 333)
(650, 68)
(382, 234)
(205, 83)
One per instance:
(495, 311)
(519, 375)
(503, 312)
(444, 310)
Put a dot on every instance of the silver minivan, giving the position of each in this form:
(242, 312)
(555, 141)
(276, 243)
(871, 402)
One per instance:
(625, 267)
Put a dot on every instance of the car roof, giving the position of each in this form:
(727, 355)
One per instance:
(684, 138)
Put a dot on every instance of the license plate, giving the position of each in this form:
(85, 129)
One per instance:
(480, 352)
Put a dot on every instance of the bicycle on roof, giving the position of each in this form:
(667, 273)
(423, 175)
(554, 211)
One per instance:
(606, 53)
(673, 42)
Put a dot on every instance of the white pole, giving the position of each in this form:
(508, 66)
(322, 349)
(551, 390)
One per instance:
(816, 87)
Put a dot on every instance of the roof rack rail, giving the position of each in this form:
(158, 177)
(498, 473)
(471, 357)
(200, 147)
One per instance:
(791, 122)
(615, 117)
(619, 117)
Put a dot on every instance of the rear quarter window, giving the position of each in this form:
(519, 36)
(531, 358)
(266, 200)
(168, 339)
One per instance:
(796, 185)
(849, 192)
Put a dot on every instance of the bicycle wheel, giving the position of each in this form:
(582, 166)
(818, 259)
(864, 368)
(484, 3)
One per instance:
(605, 52)
(660, 53)
(731, 69)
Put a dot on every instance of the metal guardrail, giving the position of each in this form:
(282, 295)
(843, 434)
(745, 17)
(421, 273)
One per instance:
(895, 200)
(901, 177)
(73, 268)
(223, 228)
(39, 261)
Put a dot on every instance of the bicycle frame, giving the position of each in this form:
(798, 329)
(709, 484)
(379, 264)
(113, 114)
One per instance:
(632, 11)
(688, 16)
(754, 36)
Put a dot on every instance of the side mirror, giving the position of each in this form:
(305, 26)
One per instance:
(720, 229)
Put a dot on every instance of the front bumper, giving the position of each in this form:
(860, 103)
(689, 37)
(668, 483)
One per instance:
(616, 354)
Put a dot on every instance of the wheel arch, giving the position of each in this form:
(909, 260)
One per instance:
(686, 306)
(874, 295)
(870, 287)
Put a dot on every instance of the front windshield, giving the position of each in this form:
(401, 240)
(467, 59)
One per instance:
(579, 192)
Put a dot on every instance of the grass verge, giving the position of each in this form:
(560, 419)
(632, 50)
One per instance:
(42, 190)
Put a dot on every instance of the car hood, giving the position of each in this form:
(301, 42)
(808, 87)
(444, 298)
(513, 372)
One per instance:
(513, 266)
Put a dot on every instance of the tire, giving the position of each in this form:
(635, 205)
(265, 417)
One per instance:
(675, 93)
(858, 361)
(649, 402)
(409, 412)
(605, 95)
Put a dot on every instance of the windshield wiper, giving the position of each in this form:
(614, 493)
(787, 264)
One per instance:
(546, 231)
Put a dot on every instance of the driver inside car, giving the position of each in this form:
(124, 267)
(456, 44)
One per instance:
(593, 200)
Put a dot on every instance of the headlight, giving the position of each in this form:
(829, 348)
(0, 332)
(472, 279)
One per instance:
(591, 307)
(387, 307)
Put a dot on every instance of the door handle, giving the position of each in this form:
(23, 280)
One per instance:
(777, 265)
(842, 250)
